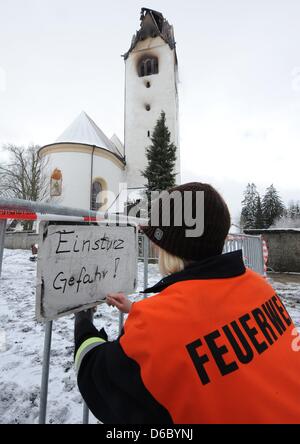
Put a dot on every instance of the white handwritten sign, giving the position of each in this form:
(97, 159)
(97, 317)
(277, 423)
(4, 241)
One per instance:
(78, 265)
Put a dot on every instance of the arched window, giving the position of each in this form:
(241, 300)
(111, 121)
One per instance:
(95, 198)
(148, 66)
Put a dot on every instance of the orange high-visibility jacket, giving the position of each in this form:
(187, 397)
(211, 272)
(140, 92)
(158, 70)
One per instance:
(216, 345)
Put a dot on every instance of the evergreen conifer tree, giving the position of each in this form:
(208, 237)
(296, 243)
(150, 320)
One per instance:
(293, 210)
(249, 207)
(259, 216)
(272, 206)
(161, 156)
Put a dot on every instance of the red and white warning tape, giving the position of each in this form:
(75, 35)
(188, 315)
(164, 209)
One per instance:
(20, 214)
(265, 254)
(29, 215)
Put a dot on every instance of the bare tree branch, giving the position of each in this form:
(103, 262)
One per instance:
(24, 174)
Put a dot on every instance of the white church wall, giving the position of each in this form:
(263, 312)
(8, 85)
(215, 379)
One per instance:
(161, 95)
(112, 174)
(76, 176)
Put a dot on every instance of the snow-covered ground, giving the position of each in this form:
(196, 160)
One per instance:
(21, 344)
(21, 354)
(287, 287)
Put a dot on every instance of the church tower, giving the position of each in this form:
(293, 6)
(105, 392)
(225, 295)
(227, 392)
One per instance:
(151, 78)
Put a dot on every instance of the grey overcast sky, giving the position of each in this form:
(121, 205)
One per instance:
(239, 68)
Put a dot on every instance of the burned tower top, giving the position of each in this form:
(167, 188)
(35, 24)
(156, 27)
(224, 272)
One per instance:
(153, 24)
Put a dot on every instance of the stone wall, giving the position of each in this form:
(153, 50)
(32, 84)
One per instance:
(20, 240)
(284, 248)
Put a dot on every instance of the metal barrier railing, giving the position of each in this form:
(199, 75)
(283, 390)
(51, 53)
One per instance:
(251, 246)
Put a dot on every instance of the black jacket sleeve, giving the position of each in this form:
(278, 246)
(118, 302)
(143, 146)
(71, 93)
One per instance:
(110, 383)
(85, 329)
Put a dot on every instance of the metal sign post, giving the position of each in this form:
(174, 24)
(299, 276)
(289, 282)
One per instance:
(2, 236)
(146, 260)
(85, 413)
(121, 322)
(45, 372)
(85, 416)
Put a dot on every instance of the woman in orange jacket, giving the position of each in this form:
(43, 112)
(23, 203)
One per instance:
(213, 345)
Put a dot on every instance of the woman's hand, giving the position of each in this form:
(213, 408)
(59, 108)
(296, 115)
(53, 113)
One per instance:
(120, 301)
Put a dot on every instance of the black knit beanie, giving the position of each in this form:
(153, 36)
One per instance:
(174, 239)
